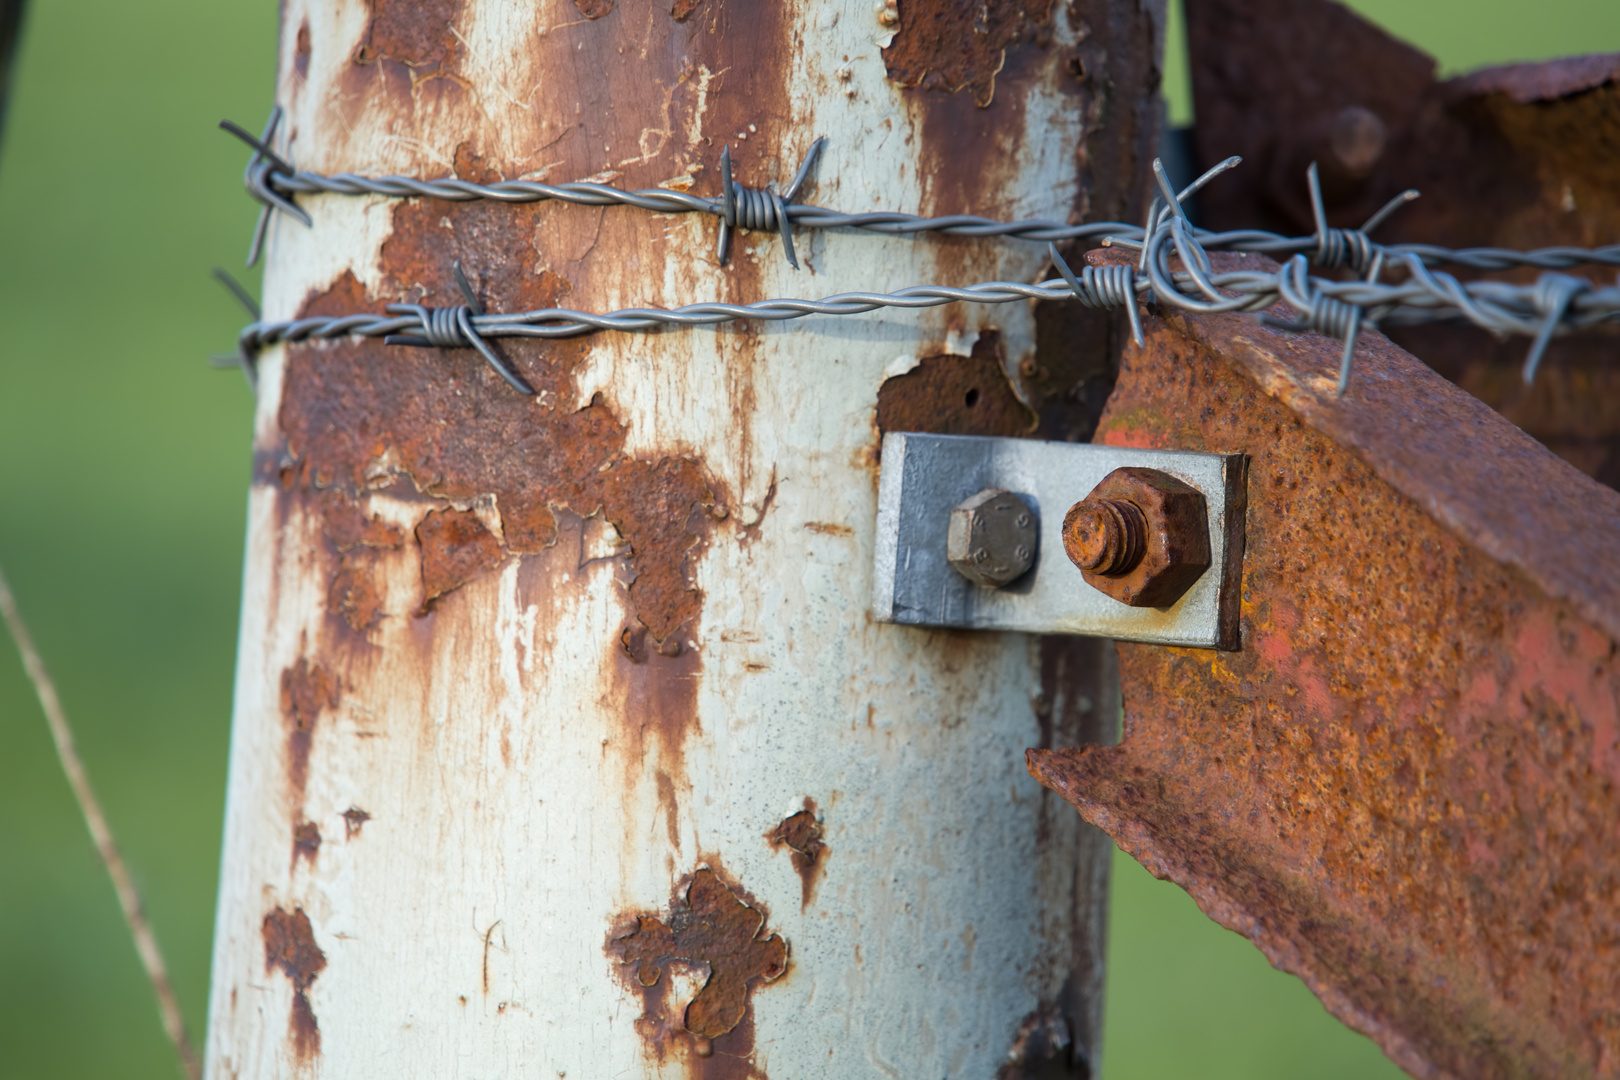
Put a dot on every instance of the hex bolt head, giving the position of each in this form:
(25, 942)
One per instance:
(992, 537)
(1141, 537)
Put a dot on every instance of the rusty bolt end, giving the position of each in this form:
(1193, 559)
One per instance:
(1105, 536)
(1358, 138)
(992, 537)
(1141, 537)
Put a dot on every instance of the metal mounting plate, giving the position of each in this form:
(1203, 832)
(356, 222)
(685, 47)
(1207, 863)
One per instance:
(924, 476)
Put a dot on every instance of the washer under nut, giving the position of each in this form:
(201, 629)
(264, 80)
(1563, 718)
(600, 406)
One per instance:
(1141, 537)
(991, 539)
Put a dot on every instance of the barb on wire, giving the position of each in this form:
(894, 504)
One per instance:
(1101, 287)
(259, 179)
(761, 209)
(452, 328)
(1554, 293)
(273, 182)
(129, 901)
(243, 361)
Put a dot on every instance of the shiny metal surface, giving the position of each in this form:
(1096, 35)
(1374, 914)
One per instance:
(925, 476)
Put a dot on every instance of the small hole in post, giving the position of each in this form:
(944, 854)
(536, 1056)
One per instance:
(972, 398)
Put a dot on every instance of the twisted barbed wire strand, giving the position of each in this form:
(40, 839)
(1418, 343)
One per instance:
(1426, 296)
(272, 181)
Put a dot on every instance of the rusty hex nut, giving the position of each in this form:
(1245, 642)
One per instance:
(1141, 536)
(991, 538)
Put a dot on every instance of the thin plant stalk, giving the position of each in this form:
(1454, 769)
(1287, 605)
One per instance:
(129, 900)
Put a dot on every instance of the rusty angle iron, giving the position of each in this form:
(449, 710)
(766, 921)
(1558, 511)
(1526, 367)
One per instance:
(1405, 788)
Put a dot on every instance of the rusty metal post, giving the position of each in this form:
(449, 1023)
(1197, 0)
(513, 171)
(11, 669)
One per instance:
(563, 742)
(1405, 787)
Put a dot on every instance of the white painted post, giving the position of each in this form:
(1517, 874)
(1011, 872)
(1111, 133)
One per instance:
(564, 744)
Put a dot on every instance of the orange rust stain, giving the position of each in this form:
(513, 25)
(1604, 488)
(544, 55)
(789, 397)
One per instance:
(683, 9)
(353, 819)
(348, 528)
(473, 166)
(594, 9)
(829, 528)
(437, 422)
(801, 834)
(355, 595)
(948, 46)
(456, 548)
(457, 432)
(655, 690)
(955, 395)
(301, 50)
(354, 592)
(670, 808)
(306, 842)
(289, 945)
(708, 925)
(306, 690)
(417, 34)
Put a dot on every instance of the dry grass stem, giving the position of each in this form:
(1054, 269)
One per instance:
(141, 930)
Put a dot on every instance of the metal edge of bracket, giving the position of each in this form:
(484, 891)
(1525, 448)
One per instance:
(924, 476)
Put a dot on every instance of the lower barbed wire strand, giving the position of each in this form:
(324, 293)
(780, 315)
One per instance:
(1323, 305)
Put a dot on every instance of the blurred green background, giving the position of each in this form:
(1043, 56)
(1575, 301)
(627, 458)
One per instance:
(123, 476)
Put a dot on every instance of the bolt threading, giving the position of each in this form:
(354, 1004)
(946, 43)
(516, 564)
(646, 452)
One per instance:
(1105, 536)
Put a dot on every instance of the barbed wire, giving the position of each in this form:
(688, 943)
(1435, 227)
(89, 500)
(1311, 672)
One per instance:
(1554, 304)
(273, 181)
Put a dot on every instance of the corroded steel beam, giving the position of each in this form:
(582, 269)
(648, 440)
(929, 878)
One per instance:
(1522, 156)
(1405, 787)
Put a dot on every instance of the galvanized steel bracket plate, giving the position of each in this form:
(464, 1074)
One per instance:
(924, 476)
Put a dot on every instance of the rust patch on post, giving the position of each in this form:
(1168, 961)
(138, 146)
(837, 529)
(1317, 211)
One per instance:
(301, 49)
(594, 9)
(354, 592)
(289, 945)
(1404, 787)
(712, 924)
(801, 834)
(306, 689)
(306, 842)
(353, 819)
(683, 9)
(955, 395)
(443, 422)
(456, 548)
(948, 46)
(418, 34)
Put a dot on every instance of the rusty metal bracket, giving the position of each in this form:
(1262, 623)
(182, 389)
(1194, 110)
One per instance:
(1405, 787)
(925, 476)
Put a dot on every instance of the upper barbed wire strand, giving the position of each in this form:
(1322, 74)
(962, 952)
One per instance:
(272, 181)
